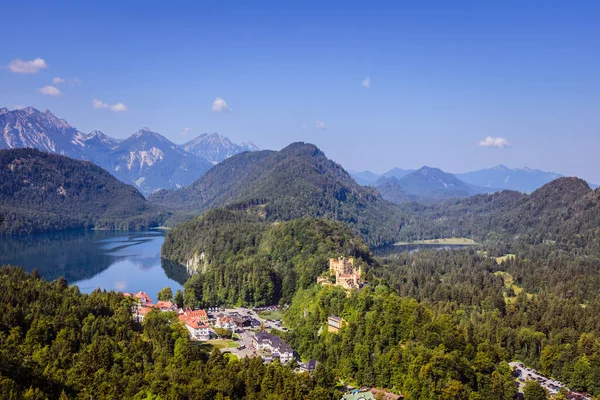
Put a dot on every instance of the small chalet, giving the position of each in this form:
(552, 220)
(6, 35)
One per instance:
(308, 366)
(225, 323)
(143, 298)
(334, 323)
(165, 306)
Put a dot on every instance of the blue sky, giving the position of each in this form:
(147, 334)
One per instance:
(444, 76)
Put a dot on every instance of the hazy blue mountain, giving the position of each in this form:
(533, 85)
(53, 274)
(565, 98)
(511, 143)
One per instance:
(398, 173)
(216, 148)
(425, 184)
(391, 190)
(364, 178)
(368, 178)
(501, 177)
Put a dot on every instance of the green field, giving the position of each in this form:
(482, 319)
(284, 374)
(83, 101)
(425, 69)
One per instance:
(443, 241)
(222, 344)
(271, 315)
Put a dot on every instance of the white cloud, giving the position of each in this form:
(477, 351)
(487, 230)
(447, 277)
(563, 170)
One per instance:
(27, 67)
(72, 82)
(320, 124)
(185, 131)
(493, 142)
(303, 126)
(366, 82)
(119, 107)
(220, 105)
(50, 91)
(19, 106)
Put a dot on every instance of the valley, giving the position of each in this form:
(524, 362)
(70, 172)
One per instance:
(446, 276)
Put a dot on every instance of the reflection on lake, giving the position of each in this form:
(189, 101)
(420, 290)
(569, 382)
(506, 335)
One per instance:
(412, 247)
(121, 261)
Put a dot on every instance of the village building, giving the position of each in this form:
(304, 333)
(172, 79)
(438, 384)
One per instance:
(308, 366)
(143, 298)
(334, 323)
(275, 346)
(197, 329)
(140, 313)
(165, 306)
(225, 323)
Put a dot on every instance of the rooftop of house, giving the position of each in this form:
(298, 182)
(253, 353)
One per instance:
(192, 322)
(142, 296)
(359, 396)
(335, 318)
(163, 304)
(144, 310)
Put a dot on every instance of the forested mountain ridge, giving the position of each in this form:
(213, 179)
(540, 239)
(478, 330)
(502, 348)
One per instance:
(294, 182)
(564, 210)
(46, 192)
(238, 258)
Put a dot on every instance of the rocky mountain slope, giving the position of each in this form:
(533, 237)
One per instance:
(145, 159)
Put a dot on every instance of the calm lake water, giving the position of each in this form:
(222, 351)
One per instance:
(121, 261)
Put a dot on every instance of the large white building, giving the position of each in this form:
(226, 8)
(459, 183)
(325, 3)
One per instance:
(275, 345)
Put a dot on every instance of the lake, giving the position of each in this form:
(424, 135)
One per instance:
(111, 260)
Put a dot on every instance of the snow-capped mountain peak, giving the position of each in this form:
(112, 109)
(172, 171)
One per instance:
(215, 147)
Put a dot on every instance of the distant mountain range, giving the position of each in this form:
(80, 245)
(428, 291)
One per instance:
(424, 184)
(431, 184)
(145, 159)
(501, 177)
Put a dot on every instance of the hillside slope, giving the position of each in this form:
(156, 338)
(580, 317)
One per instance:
(565, 210)
(46, 192)
(295, 182)
(238, 258)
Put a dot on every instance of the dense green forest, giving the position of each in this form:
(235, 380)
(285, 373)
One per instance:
(298, 181)
(42, 192)
(443, 324)
(241, 259)
(56, 343)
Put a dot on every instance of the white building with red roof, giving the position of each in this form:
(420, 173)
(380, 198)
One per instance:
(198, 330)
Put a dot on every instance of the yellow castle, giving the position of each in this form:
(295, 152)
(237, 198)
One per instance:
(346, 275)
